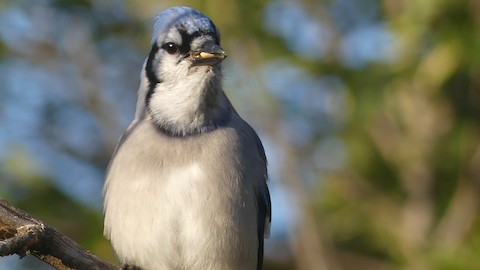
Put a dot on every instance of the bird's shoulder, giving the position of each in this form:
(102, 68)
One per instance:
(238, 133)
(236, 139)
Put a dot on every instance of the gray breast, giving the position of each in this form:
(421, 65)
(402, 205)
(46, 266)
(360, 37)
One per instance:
(177, 197)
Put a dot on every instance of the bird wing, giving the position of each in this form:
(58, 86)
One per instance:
(263, 196)
(264, 220)
(264, 206)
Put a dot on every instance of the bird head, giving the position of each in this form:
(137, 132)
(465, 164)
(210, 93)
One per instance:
(182, 74)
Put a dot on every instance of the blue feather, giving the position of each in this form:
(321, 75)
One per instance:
(187, 18)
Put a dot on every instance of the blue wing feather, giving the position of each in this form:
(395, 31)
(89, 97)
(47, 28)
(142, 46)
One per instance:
(264, 215)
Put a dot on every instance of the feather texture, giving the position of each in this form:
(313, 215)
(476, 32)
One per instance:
(186, 187)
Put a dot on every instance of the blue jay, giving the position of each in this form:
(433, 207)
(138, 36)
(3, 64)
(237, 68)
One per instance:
(186, 187)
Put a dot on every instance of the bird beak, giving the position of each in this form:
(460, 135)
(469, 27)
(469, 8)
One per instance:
(210, 54)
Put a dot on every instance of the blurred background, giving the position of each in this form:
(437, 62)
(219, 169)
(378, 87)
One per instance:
(369, 111)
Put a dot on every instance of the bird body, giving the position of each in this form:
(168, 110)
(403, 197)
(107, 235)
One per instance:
(186, 187)
(168, 211)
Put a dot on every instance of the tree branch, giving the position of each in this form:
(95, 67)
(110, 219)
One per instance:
(22, 234)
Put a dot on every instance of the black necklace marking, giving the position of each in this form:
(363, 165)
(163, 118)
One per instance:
(152, 78)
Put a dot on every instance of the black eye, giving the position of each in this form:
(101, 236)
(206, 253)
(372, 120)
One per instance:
(170, 47)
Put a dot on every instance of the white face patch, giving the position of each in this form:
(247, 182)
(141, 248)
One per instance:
(184, 94)
(186, 99)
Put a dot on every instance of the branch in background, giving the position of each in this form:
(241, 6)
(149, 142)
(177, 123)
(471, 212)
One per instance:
(22, 234)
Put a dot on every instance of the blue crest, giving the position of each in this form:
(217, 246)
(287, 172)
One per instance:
(187, 18)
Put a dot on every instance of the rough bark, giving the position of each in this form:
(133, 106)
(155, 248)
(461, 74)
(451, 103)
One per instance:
(22, 234)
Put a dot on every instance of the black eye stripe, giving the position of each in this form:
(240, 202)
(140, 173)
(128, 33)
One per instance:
(186, 40)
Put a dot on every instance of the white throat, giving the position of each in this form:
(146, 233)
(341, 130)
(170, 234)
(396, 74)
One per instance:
(188, 103)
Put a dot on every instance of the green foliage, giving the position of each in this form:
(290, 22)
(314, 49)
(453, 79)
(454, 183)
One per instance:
(406, 194)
